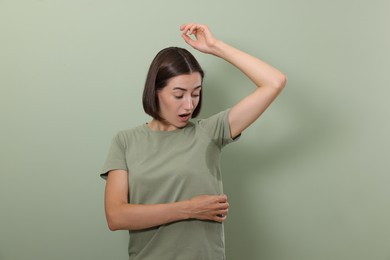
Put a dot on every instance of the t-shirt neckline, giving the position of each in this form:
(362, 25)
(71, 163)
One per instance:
(157, 132)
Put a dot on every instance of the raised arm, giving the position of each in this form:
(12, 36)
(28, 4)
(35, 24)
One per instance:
(124, 216)
(268, 80)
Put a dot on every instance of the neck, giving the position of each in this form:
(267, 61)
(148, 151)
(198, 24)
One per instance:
(157, 125)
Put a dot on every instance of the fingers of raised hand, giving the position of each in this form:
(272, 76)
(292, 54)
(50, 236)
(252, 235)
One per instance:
(192, 28)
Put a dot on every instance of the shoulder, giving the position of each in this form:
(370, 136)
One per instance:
(217, 128)
(125, 135)
(130, 131)
(217, 118)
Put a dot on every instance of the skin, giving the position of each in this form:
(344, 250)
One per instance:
(179, 97)
(268, 81)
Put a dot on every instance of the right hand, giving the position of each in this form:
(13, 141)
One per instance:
(209, 207)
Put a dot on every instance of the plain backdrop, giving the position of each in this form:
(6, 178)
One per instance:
(308, 181)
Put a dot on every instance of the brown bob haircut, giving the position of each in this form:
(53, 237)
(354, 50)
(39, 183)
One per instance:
(168, 63)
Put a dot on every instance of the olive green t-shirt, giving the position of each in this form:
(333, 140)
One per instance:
(171, 166)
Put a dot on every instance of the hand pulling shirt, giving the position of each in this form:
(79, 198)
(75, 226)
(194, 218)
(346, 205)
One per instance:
(172, 166)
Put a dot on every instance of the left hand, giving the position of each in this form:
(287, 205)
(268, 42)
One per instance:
(204, 39)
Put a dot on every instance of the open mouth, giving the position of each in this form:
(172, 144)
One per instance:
(185, 117)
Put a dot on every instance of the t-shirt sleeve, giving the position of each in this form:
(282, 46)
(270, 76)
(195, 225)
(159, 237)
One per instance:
(218, 129)
(116, 159)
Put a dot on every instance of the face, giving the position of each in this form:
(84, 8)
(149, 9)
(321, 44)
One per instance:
(178, 100)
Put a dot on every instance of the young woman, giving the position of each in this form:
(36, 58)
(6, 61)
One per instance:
(163, 178)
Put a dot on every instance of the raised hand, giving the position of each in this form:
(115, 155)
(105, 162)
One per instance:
(204, 40)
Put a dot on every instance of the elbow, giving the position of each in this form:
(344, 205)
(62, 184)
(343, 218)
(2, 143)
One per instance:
(280, 82)
(112, 228)
(113, 221)
(112, 225)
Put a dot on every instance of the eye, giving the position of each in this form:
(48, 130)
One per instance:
(195, 94)
(178, 97)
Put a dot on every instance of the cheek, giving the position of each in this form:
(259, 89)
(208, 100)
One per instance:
(164, 101)
(196, 101)
(169, 104)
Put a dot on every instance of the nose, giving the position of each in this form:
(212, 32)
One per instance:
(188, 104)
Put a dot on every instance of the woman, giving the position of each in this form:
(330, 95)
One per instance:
(163, 178)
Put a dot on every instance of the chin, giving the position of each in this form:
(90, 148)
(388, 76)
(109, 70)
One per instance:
(181, 124)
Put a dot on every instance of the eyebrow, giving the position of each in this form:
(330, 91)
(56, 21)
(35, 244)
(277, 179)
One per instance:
(183, 89)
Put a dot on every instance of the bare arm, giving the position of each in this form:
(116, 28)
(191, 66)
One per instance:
(268, 80)
(122, 215)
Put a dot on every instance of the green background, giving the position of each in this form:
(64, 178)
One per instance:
(308, 181)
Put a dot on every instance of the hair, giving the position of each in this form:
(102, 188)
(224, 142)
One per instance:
(168, 63)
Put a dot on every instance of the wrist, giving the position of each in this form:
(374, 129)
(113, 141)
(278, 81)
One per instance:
(184, 209)
(221, 49)
(217, 48)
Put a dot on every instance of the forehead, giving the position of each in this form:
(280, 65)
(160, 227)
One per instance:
(185, 81)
